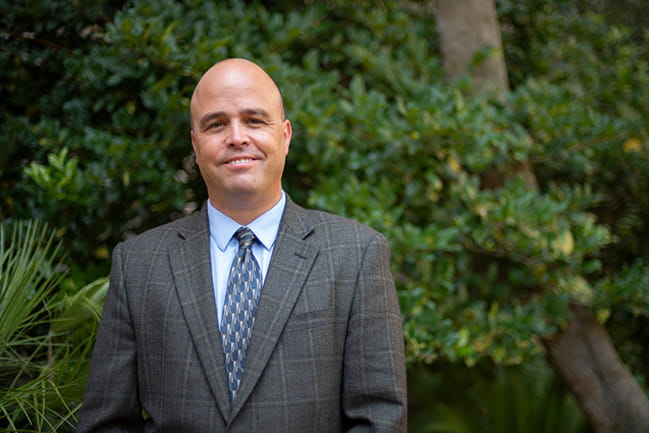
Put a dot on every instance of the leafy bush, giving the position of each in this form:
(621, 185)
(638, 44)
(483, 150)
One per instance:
(582, 96)
(483, 264)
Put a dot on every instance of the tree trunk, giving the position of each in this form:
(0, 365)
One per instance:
(466, 28)
(608, 394)
(469, 29)
(583, 354)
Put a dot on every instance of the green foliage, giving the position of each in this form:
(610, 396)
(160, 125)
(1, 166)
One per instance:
(582, 93)
(483, 263)
(28, 265)
(584, 102)
(45, 338)
(98, 160)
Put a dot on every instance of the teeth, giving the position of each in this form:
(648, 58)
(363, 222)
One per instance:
(240, 161)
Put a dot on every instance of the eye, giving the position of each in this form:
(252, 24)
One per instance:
(215, 124)
(255, 121)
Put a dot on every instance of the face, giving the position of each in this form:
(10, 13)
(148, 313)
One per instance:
(239, 135)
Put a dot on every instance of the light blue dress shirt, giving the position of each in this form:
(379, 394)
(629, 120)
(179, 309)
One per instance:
(223, 247)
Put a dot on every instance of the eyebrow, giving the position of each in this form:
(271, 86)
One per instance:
(219, 114)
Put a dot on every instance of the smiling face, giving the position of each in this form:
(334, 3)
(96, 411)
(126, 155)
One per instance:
(240, 138)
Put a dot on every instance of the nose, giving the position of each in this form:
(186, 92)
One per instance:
(237, 136)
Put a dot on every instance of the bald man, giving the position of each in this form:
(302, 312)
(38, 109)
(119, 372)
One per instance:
(294, 330)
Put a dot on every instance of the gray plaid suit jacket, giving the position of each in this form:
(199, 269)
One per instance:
(326, 353)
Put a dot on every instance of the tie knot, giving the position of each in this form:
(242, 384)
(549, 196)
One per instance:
(245, 236)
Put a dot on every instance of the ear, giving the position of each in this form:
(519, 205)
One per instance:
(194, 145)
(288, 133)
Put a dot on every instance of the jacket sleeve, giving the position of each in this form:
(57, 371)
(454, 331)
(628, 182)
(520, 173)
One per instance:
(374, 376)
(110, 403)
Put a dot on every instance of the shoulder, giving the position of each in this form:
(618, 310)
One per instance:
(330, 228)
(329, 221)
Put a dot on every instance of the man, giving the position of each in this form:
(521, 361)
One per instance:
(316, 347)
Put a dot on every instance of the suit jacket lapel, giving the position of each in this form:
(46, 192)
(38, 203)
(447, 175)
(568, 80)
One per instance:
(292, 260)
(191, 268)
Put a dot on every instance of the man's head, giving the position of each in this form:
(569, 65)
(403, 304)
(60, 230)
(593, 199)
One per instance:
(240, 138)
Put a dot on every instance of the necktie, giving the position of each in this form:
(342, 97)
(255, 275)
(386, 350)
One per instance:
(241, 299)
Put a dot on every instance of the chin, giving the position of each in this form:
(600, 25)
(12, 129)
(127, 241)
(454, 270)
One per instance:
(242, 191)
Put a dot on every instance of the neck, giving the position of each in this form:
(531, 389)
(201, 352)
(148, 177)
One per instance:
(245, 211)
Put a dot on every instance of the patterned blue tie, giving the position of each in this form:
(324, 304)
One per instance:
(241, 299)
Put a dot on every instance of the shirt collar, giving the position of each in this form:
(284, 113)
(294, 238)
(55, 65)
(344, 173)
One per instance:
(265, 227)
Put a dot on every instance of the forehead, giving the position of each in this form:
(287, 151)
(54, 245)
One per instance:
(236, 89)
